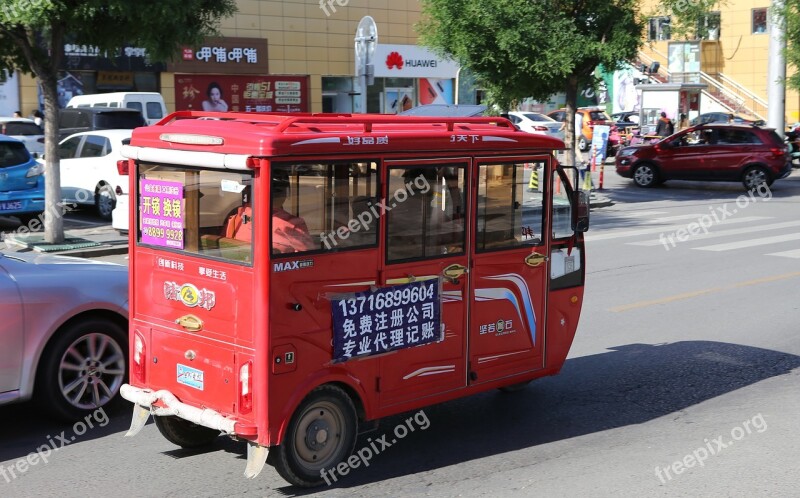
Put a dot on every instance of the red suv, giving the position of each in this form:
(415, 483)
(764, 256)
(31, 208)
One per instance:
(709, 152)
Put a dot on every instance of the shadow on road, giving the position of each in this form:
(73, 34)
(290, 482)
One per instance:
(631, 384)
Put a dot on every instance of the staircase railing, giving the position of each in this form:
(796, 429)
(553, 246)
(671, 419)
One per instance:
(753, 102)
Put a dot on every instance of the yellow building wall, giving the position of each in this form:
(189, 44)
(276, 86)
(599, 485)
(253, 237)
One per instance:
(741, 54)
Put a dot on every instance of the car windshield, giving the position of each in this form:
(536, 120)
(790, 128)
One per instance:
(598, 116)
(13, 154)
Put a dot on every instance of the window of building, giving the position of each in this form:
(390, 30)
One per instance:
(760, 20)
(708, 27)
(659, 28)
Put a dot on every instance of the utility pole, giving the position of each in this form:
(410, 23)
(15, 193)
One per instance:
(776, 69)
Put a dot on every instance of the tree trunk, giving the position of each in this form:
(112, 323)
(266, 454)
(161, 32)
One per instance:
(571, 104)
(54, 212)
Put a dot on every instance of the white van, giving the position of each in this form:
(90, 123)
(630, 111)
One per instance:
(151, 104)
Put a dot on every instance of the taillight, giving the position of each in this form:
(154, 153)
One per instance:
(778, 152)
(246, 387)
(139, 357)
(122, 167)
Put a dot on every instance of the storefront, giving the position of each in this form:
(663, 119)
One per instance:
(405, 76)
(232, 74)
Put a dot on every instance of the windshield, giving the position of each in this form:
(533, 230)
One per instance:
(533, 116)
(119, 120)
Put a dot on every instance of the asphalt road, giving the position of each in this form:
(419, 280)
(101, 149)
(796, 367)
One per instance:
(683, 380)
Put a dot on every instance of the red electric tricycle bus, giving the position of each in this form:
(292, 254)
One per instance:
(297, 277)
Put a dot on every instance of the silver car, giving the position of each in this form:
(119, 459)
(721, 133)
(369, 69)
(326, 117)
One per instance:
(63, 330)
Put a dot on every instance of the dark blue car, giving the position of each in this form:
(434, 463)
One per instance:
(21, 181)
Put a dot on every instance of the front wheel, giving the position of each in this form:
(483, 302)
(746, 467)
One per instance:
(755, 176)
(321, 434)
(184, 433)
(583, 144)
(645, 175)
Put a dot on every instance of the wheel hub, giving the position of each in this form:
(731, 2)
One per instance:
(317, 435)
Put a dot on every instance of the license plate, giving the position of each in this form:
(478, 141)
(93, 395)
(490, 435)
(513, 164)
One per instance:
(10, 206)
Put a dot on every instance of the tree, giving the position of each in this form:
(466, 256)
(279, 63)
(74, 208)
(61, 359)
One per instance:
(689, 19)
(534, 48)
(788, 11)
(32, 35)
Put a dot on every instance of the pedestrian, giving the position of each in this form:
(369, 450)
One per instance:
(665, 127)
(683, 123)
(730, 118)
(38, 117)
(17, 114)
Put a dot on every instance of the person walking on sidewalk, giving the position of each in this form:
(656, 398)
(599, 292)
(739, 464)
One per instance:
(664, 128)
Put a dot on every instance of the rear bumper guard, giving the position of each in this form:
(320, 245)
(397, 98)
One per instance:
(144, 403)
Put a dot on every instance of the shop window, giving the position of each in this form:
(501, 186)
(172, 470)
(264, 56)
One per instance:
(760, 20)
(659, 28)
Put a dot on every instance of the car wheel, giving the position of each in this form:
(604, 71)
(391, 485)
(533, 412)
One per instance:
(755, 176)
(321, 434)
(583, 144)
(83, 368)
(25, 219)
(104, 202)
(184, 433)
(645, 175)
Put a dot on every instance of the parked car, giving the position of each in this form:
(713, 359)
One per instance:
(79, 119)
(591, 117)
(150, 104)
(26, 130)
(93, 171)
(64, 332)
(21, 182)
(625, 120)
(724, 117)
(534, 122)
(715, 152)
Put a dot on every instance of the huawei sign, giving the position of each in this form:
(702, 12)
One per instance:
(394, 59)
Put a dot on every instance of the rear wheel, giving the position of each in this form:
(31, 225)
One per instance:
(184, 433)
(645, 175)
(755, 176)
(27, 218)
(104, 202)
(321, 434)
(83, 368)
(583, 144)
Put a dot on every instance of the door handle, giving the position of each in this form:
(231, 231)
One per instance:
(453, 272)
(190, 322)
(535, 259)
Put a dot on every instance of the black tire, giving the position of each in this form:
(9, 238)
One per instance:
(583, 144)
(25, 219)
(755, 176)
(645, 175)
(184, 433)
(104, 202)
(327, 412)
(72, 388)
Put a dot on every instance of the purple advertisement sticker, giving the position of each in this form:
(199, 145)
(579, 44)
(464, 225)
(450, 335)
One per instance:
(161, 213)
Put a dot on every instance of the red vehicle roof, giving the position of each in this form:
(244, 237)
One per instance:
(268, 134)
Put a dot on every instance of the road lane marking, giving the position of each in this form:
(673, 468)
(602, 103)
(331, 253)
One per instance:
(750, 243)
(688, 295)
(667, 229)
(724, 233)
(787, 254)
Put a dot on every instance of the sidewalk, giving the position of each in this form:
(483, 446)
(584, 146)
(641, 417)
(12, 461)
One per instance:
(78, 242)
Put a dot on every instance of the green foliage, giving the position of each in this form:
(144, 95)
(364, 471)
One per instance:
(791, 14)
(532, 48)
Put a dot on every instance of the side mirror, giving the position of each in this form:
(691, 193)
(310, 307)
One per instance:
(580, 211)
